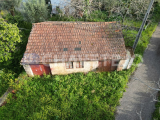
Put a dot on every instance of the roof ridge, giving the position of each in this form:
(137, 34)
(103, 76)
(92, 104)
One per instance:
(49, 22)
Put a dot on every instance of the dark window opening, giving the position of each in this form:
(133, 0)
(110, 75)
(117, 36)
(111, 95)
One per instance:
(79, 42)
(65, 49)
(77, 49)
(116, 62)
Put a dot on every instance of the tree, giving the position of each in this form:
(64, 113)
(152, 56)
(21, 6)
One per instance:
(9, 37)
(48, 2)
(35, 11)
(10, 5)
(82, 7)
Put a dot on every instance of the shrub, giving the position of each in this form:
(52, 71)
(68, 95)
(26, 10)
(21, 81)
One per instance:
(35, 11)
(5, 79)
(10, 37)
(25, 27)
(74, 96)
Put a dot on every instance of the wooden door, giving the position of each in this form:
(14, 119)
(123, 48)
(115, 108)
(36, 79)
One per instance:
(107, 65)
(46, 69)
(100, 66)
(104, 65)
(40, 69)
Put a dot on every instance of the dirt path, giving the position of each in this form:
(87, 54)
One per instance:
(137, 95)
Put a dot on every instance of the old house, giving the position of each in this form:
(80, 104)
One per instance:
(69, 47)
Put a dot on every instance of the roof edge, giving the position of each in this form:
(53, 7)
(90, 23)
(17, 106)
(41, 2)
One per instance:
(49, 22)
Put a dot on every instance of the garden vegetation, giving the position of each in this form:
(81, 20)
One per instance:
(74, 96)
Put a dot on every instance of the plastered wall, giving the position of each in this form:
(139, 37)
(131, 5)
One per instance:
(28, 70)
(60, 68)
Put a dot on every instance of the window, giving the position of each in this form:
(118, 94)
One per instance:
(77, 49)
(116, 61)
(69, 65)
(80, 65)
(65, 49)
(79, 42)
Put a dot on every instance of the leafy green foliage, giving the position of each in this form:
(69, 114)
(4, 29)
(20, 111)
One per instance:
(95, 16)
(14, 62)
(18, 19)
(48, 2)
(130, 35)
(9, 5)
(156, 114)
(35, 11)
(5, 78)
(74, 96)
(9, 37)
(156, 12)
(3, 13)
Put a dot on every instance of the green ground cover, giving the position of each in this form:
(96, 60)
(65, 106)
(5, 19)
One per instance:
(4, 81)
(156, 114)
(74, 96)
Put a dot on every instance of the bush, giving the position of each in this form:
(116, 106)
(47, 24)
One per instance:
(156, 113)
(24, 28)
(35, 11)
(10, 37)
(6, 77)
(74, 96)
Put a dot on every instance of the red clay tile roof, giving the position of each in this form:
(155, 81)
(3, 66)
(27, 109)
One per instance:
(57, 41)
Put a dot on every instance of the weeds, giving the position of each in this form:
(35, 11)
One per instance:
(75, 96)
(78, 96)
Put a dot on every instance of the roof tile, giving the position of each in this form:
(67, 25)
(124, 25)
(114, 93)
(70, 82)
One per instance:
(97, 38)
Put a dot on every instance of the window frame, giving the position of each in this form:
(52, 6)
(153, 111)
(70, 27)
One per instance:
(65, 49)
(80, 64)
(69, 65)
(77, 49)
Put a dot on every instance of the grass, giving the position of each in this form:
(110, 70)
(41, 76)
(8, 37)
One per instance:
(156, 114)
(132, 23)
(130, 35)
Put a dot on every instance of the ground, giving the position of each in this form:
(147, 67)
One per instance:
(138, 95)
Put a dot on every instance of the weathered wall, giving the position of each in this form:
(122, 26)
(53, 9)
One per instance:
(126, 64)
(60, 68)
(132, 56)
(120, 65)
(130, 63)
(28, 70)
